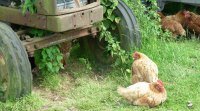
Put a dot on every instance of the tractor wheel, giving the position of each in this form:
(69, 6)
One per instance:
(15, 69)
(127, 31)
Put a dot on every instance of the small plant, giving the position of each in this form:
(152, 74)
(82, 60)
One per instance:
(150, 30)
(51, 81)
(28, 5)
(49, 60)
(38, 32)
(110, 19)
(86, 63)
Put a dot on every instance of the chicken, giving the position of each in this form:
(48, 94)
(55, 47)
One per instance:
(174, 27)
(143, 69)
(161, 15)
(181, 17)
(144, 94)
(2, 62)
(193, 23)
(174, 23)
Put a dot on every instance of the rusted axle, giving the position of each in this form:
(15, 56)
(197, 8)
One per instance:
(39, 43)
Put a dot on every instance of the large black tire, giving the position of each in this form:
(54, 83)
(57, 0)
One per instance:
(15, 74)
(127, 29)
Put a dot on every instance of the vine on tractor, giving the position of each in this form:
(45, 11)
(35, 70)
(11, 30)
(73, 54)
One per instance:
(110, 24)
(49, 59)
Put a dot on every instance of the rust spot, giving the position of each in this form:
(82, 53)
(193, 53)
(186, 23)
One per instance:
(44, 18)
(89, 30)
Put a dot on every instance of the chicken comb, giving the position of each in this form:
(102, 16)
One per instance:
(186, 14)
(136, 55)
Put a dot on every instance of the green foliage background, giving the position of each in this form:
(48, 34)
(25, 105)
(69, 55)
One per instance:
(106, 26)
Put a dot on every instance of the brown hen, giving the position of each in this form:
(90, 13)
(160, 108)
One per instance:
(174, 23)
(194, 23)
(143, 69)
(144, 94)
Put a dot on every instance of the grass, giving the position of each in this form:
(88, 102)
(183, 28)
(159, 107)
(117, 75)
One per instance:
(86, 89)
(29, 103)
(178, 64)
(81, 87)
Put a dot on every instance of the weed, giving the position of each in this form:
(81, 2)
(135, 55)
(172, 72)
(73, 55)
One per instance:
(28, 103)
(28, 6)
(49, 60)
(86, 63)
(51, 81)
(178, 63)
(110, 24)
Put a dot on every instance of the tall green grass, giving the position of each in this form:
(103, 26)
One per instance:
(28, 103)
(177, 60)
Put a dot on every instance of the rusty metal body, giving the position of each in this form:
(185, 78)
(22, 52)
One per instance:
(66, 23)
(54, 20)
(49, 7)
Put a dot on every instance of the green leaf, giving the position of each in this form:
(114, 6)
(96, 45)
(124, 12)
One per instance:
(57, 69)
(55, 64)
(113, 26)
(44, 54)
(102, 34)
(59, 58)
(128, 70)
(115, 3)
(49, 65)
(109, 12)
(114, 46)
(107, 23)
(104, 9)
(111, 17)
(108, 3)
(117, 19)
(41, 66)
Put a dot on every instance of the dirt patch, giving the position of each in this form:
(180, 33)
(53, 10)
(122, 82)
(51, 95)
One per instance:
(58, 97)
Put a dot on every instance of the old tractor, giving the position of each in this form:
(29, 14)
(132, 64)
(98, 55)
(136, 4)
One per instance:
(66, 20)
